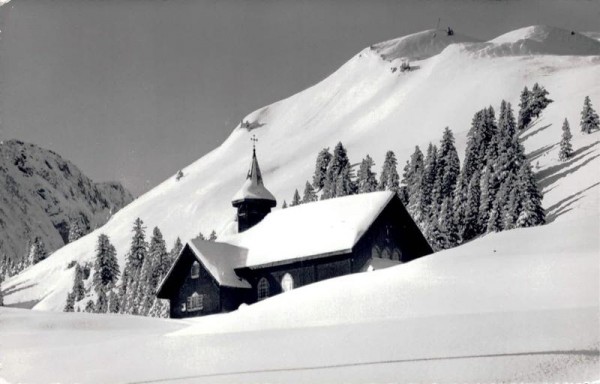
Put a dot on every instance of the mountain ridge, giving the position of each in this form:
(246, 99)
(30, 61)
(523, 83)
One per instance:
(370, 108)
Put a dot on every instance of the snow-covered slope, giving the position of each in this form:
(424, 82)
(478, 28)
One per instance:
(518, 306)
(370, 109)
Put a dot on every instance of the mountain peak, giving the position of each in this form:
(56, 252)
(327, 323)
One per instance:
(420, 45)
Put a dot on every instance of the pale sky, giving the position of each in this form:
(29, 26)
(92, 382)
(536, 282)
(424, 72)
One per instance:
(133, 90)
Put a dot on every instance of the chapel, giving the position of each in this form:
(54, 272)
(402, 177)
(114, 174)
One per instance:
(272, 252)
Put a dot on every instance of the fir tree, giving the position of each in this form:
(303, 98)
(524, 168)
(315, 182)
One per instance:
(323, 160)
(538, 100)
(201, 236)
(113, 302)
(309, 194)
(447, 225)
(344, 185)
(531, 212)
(101, 302)
(75, 231)
(131, 274)
(414, 179)
(106, 266)
(429, 174)
(487, 188)
(213, 236)
(70, 304)
(296, 199)
(154, 269)
(494, 223)
(471, 224)
(175, 251)
(284, 205)
(589, 117)
(338, 174)
(524, 109)
(38, 251)
(89, 307)
(367, 181)
(566, 150)
(448, 168)
(179, 175)
(389, 179)
(78, 286)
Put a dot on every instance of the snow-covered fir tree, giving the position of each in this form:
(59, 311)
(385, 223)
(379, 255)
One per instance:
(589, 117)
(70, 304)
(106, 267)
(427, 185)
(566, 149)
(212, 236)
(179, 175)
(309, 194)
(175, 251)
(414, 179)
(531, 212)
(323, 160)
(538, 100)
(153, 271)
(367, 181)
(89, 307)
(131, 274)
(37, 252)
(448, 168)
(78, 290)
(284, 205)
(338, 181)
(296, 199)
(524, 109)
(470, 227)
(389, 180)
(76, 231)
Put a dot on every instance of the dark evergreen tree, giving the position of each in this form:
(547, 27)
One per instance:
(414, 181)
(448, 168)
(338, 174)
(106, 265)
(323, 160)
(524, 109)
(494, 223)
(113, 302)
(101, 302)
(89, 307)
(201, 236)
(531, 212)
(447, 224)
(296, 199)
(78, 286)
(487, 188)
(176, 250)
(538, 100)
(179, 175)
(213, 236)
(566, 150)
(404, 182)
(153, 271)
(76, 231)
(389, 180)
(284, 205)
(589, 117)
(471, 227)
(38, 251)
(367, 181)
(131, 274)
(309, 194)
(70, 304)
(427, 185)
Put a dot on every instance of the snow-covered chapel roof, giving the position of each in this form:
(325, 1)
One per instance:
(309, 230)
(253, 188)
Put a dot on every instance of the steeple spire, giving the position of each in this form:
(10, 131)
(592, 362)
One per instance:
(253, 200)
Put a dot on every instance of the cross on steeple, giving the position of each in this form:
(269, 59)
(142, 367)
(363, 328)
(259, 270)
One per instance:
(254, 140)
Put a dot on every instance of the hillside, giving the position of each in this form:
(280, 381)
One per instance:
(43, 194)
(371, 109)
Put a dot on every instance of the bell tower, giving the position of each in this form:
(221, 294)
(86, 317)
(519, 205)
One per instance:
(253, 201)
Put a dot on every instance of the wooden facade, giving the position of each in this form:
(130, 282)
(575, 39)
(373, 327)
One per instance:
(392, 236)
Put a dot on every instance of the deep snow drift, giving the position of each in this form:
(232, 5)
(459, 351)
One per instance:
(518, 306)
(370, 109)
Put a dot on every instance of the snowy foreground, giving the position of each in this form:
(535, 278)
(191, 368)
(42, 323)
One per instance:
(518, 306)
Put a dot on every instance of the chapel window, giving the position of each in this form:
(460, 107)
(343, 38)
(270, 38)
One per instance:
(195, 270)
(262, 289)
(287, 283)
(195, 302)
(375, 252)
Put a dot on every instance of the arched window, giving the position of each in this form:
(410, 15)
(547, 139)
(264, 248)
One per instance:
(287, 282)
(375, 252)
(195, 270)
(262, 289)
(195, 302)
(386, 254)
(396, 255)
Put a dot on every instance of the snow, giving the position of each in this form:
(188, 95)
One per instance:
(518, 306)
(220, 259)
(253, 187)
(371, 110)
(322, 227)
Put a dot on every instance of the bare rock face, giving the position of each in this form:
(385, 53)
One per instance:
(43, 195)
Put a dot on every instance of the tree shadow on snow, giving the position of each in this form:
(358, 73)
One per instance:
(532, 133)
(565, 205)
(539, 152)
(549, 175)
